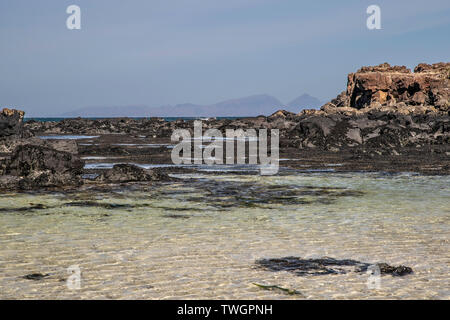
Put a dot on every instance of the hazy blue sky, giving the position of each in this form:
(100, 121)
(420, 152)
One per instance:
(156, 52)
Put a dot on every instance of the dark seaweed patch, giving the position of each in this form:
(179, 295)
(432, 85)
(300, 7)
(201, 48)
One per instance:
(278, 288)
(177, 216)
(175, 208)
(35, 276)
(33, 207)
(98, 204)
(229, 194)
(326, 265)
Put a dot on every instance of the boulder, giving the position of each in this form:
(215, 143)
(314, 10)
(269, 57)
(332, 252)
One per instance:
(32, 167)
(27, 159)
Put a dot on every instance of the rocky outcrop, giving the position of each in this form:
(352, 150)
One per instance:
(28, 162)
(30, 158)
(385, 108)
(386, 85)
(149, 127)
(32, 167)
(11, 123)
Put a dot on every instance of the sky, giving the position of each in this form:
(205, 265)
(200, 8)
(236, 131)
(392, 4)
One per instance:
(160, 52)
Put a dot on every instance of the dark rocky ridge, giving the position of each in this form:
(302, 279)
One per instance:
(384, 108)
(30, 163)
(388, 119)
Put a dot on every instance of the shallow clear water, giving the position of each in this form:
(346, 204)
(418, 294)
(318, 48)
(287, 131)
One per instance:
(200, 237)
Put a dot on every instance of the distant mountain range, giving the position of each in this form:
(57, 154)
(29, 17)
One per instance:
(248, 106)
(303, 102)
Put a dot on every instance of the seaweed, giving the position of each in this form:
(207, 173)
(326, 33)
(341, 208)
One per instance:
(326, 265)
(177, 216)
(290, 292)
(36, 276)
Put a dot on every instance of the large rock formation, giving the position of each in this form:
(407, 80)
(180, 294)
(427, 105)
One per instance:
(384, 108)
(384, 85)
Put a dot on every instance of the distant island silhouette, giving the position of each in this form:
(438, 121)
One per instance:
(247, 106)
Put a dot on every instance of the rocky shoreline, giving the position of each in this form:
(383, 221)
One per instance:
(389, 119)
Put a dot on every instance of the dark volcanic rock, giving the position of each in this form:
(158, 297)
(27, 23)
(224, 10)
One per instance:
(379, 130)
(32, 167)
(131, 173)
(148, 127)
(385, 111)
(27, 159)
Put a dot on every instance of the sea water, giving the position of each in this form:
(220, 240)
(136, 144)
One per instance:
(199, 237)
